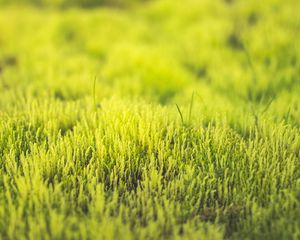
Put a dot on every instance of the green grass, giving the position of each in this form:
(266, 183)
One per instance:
(152, 120)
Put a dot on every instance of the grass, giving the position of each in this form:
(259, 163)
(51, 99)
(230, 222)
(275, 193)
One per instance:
(151, 120)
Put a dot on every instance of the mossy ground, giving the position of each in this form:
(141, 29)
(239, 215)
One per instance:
(154, 120)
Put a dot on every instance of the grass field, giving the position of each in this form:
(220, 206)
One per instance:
(160, 119)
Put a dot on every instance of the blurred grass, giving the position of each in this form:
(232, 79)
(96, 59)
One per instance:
(113, 158)
(72, 3)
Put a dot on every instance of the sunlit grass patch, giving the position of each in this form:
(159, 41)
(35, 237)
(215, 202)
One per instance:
(150, 120)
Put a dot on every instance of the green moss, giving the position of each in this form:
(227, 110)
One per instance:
(152, 120)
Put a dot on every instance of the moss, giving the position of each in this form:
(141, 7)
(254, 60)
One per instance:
(152, 120)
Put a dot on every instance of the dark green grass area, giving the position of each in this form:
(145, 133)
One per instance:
(150, 119)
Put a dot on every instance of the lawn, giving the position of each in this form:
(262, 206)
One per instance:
(158, 119)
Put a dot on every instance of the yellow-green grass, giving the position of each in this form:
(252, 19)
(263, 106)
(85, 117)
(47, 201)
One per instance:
(151, 120)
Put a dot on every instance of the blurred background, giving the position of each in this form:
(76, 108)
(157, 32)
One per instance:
(231, 52)
(68, 3)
